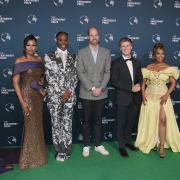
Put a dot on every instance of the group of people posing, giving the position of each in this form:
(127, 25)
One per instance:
(145, 90)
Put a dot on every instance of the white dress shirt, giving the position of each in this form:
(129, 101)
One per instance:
(94, 52)
(63, 55)
(130, 67)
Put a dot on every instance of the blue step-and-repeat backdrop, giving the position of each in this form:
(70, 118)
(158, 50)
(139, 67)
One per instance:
(144, 21)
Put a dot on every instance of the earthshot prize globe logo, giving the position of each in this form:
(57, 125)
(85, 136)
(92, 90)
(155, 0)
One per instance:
(133, 21)
(108, 38)
(5, 37)
(12, 140)
(3, 2)
(9, 107)
(7, 72)
(156, 38)
(176, 55)
(32, 19)
(84, 19)
(58, 2)
(178, 22)
(109, 3)
(157, 4)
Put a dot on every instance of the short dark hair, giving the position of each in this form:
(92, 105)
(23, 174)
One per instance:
(61, 32)
(157, 46)
(26, 39)
(125, 39)
(92, 28)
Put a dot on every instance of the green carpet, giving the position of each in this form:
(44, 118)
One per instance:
(97, 167)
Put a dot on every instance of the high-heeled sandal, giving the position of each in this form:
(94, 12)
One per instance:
(155, 147)
(161, 151)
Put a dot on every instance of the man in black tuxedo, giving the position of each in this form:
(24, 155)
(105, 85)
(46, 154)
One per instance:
(126, 77)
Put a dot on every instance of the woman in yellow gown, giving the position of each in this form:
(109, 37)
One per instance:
(157, 123)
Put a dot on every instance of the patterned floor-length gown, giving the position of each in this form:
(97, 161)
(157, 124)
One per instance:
(33, 151)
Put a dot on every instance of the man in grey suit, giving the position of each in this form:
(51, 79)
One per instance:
(93, 68)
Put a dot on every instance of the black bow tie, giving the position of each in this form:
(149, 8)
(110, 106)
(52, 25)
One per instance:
(128, 60)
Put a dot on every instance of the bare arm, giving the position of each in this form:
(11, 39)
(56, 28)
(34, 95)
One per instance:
(170, 90)
(172, 86)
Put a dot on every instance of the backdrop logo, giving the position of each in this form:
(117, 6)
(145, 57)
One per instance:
(79, 105)
(150, 55)
(5, 56)
(154, 21)
(5, 37)
(109, 3)
(178, 21)
(111, 88)
(30, 1)
(133, 37)
(106, 121)
(56, 20)
(108, 104)
(176, 55)
(81, 38)
(80, 137)
(9, 124)
(106, 20)
(178, 86)
(32, 19)
(4, 2)
(108, 135)
(108, 38)
(58, 2)
(83, 2)
(134, 54)
(6, 91)
(175, 39)
(9, 107)
(131, 3)
(84, 19)
(12, 140)
(113, 55)
(157, 4)
(4, 19)
(175, 102)
(156, 38)
(177, 4)
(36, 36)
(177, 116)
(133, 20)
(7, 72)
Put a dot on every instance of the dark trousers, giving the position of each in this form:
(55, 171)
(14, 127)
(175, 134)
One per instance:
(92, 111)
(126, 117)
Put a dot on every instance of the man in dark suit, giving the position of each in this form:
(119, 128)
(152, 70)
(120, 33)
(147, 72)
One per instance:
(126, 77)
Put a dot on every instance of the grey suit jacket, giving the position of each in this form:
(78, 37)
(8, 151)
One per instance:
(93, 74)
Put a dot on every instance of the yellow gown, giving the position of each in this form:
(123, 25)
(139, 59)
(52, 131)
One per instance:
(147, 137)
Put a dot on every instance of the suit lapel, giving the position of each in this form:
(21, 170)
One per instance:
(90, 56)
(134, 68)
(67, 61)
(98, 60)
(58, 59)
(126, 67)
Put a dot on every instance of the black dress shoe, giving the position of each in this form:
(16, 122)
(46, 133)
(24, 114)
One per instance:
(123, 152)
(131, 147)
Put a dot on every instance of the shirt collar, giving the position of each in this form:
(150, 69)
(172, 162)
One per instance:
(124, 57)
(59, 51)
(94, 49)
